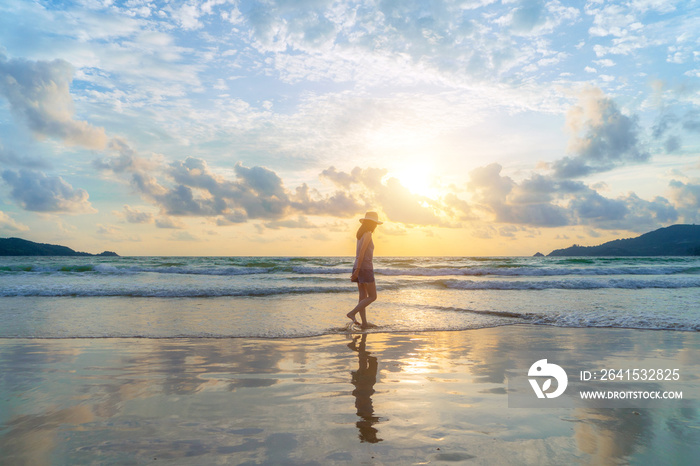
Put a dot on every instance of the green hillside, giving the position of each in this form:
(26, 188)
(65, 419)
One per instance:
(676, 240)
(22, 247)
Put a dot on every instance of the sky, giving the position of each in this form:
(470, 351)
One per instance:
(233, 127)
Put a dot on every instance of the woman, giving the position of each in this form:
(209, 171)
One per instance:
(363, 270)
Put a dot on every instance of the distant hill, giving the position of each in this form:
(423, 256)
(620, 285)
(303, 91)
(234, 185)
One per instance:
(22, 247)
(676, 240)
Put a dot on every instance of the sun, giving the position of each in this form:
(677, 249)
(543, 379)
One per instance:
(417, 178)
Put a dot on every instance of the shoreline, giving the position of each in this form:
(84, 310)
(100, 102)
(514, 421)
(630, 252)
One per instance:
(341, 331)
(438, 396)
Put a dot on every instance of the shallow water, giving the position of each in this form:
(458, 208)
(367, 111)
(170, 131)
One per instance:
(389, 398)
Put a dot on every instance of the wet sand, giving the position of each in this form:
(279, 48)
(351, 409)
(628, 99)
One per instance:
(394, 398)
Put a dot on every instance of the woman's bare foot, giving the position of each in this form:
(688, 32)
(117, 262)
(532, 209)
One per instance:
(352, 317)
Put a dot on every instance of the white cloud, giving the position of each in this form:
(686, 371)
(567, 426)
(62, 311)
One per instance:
(687, 197)
(108, 230)
(8, 224)
(544, 201)
(169, 223)
(299, 222)
(610, 20)
(536, 17)
(38, 192)
(187, 16)
(623, 46)
(136, 216)
(606, 62)
(183, 236)
(602, 137)
(39, 95)
(10, 158)
(115, 233)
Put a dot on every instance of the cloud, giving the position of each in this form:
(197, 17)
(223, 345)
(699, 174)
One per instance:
(181, 200)
(672, 144)
(191, 188)
(170, 223)
(8, 224)
(623, 20)
(338, 204)
(686, 196)
(540, 189)
(602, 137)
(136, 216)
(626, 212)
(388, 194)
(38, 192)
(691, 121)
(187, 16)
(657, 211)
(115, 233)
(403, 42)
(299, 222)
(10, 158)
(260, 192)
(39, 95)
(125, 160)
(528, 16)
(591, 208)
(356, 176)
(457, 208)
(257, 190)
(610, 20)
(108, 230)
(524, 204)
(488, 186)
(546, 201)
(669, 125)
(401, 205)
(666, 121)
(183, 236)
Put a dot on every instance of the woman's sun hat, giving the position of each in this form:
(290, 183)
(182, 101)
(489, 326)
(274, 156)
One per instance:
(371, 216)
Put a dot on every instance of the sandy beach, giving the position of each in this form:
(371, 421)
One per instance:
(379, 398)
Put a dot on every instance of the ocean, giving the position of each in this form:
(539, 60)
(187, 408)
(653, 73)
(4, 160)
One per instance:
(201, 360)
(283, 297)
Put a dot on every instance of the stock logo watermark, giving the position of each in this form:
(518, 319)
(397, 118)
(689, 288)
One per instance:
(542, 368)
(544, 384)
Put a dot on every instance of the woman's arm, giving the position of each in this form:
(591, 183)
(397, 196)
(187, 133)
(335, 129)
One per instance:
(363, 247)
(361, 254)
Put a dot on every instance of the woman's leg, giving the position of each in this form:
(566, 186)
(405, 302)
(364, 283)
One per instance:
(370, 290)
(363, 294)
(362, 289)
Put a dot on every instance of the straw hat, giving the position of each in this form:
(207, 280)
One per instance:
(371, 216)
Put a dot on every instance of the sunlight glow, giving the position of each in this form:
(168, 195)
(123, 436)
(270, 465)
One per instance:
(416, 366)
(418, 178)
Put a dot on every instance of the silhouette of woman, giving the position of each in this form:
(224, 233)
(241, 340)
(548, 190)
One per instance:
(363, 270)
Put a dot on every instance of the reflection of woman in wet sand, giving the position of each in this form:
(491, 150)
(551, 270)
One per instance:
(364, 379)
(363, 270)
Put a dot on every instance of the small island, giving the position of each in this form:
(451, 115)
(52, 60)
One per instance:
(676, 240)
(23, 247)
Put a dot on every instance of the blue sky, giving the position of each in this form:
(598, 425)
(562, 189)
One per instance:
(232, 127)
